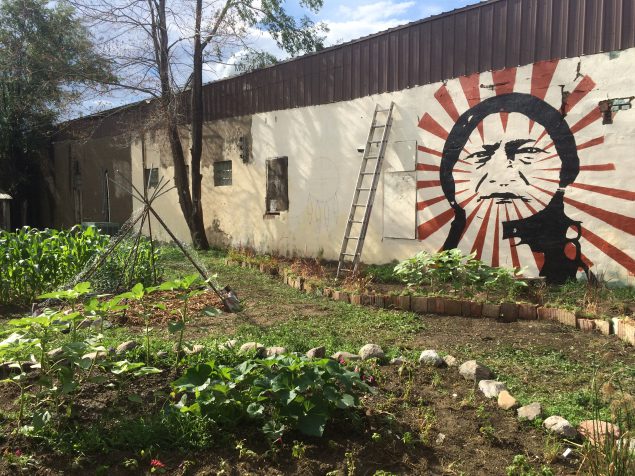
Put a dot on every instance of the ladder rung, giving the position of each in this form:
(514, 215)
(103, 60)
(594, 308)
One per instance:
(352, 259)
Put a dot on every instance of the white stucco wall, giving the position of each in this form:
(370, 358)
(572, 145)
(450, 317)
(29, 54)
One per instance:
(321, 145)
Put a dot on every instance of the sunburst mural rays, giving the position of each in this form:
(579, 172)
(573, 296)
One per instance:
(506, 174)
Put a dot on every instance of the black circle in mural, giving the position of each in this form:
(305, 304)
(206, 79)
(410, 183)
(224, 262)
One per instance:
(545, 231)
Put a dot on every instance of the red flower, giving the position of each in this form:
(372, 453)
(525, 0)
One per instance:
(342, 362)
(371, 380)
(155, 463)
(18, 452)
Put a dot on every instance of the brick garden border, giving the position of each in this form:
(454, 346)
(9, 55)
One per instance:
(504, 312)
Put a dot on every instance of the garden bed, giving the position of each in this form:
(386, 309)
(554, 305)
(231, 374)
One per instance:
(422, 420)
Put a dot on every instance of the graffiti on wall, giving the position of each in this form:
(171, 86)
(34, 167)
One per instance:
(514, 178)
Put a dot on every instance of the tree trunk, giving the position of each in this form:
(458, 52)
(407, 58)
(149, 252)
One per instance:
(190, 202)
(198, 228)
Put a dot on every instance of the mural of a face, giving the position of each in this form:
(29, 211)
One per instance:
(497, 173)
(504, 168)
(500, 178)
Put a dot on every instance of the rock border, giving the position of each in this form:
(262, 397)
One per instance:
(623, 328)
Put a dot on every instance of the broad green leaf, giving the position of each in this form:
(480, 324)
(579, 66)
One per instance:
(175, 326)
(312, 424)
(194, 377)
(212, 311)
(135, 398)
(146, 371)
(255, 410)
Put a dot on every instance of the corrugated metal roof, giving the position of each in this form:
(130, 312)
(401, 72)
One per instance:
(487, 36)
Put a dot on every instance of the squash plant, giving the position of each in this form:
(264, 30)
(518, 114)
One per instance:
(281, 393)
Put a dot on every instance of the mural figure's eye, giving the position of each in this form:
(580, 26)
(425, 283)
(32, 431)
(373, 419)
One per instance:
(530, 150)
(482, 155)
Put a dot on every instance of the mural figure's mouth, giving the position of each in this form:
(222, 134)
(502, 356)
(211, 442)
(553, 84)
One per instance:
(506, 197)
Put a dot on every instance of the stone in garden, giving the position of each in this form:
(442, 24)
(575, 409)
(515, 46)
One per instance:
(560, 426)
(316, 353)
(472, 370)
(94, 323)
(125, 347)
(491, 388)
(55, 353)
(6, 369)
(450, 361)
(596, 431)
(86, 323)
(345, 356)
(530, 412)
(251, 347)
(398, 360)
(28, 366)
(506, 401)
(440, 439)
(98, 323)
(230, 344)
(196, 349)
(430, 357)
(271, 351)
(100, 354)
(371, 351)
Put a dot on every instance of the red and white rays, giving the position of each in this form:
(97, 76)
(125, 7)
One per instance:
(591, 199)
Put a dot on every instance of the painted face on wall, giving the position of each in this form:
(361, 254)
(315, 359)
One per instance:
(503, 169)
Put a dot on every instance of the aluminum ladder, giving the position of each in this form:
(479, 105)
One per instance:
(367, 181)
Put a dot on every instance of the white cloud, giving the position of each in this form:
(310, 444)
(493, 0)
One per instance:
(366, 19)
(376, 11)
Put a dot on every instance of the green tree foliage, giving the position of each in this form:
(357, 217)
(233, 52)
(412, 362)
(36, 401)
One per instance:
(47, 58)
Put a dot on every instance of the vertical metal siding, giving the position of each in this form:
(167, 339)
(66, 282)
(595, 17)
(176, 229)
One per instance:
(487, 36)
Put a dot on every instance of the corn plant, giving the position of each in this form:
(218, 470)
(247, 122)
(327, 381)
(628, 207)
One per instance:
(33, 261)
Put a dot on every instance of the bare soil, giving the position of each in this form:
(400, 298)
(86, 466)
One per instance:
(425, 403)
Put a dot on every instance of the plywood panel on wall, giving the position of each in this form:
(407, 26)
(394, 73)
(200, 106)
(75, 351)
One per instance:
(400, 199)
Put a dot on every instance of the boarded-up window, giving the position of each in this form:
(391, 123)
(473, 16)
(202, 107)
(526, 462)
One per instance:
(150, 177)
(223, 173)
(277, 199)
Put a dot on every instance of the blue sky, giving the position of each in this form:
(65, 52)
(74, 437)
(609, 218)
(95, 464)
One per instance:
(346, 20)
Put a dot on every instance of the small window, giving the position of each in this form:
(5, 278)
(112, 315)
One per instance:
(150, 178)
(277, 199)
(223, 173)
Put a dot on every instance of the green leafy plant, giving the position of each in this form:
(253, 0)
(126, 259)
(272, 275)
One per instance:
(282, 393)
(460, 272)
(131, 261)
(189, 287)
(521, 467)
(34, 261)
(603, 451)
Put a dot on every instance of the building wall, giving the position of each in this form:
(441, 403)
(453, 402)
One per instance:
(84, 193)
(544, 129)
